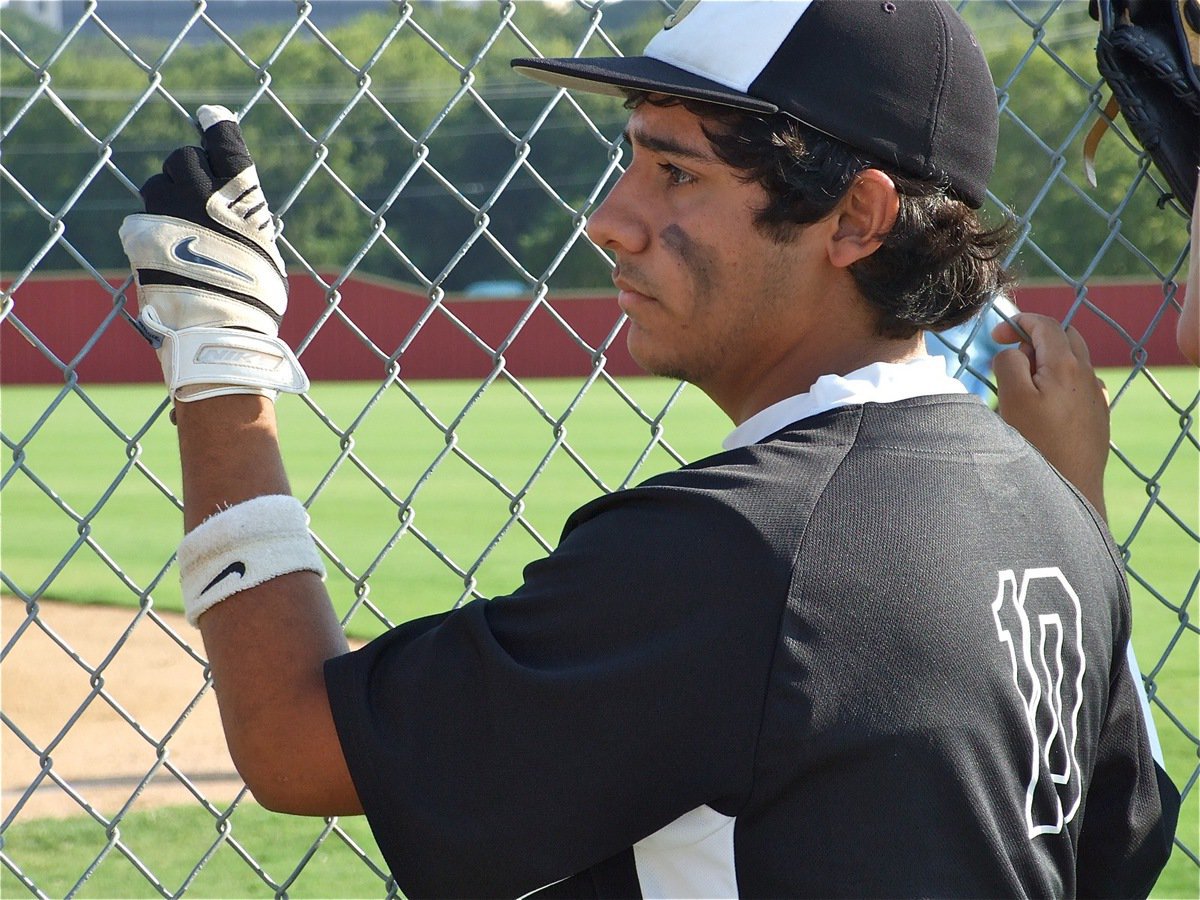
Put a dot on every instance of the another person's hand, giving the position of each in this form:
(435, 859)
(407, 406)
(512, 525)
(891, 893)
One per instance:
(211, 284)
(1049, 392)
(1187, 332)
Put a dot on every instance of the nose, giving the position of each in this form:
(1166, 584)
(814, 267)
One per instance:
(617, 223)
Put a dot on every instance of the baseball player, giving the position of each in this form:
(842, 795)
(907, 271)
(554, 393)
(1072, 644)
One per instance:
(803, 666)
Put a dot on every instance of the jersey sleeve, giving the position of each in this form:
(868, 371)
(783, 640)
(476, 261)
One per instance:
(517, 741)
(1132, 806)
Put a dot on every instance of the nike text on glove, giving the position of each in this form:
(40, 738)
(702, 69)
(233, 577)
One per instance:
(211, 283)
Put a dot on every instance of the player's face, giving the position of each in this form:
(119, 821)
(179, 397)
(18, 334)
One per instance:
(711, 299)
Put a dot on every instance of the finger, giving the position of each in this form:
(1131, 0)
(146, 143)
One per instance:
(223, 141)
(1051, 346)
(1009, 332)
(155, 192)
(1042, 330)
(1078, 345)
(209, 115)
(1013, 371)
(182, 188)
(188, 165)
(1003, 307)
(1027, 328)
(1005, 332)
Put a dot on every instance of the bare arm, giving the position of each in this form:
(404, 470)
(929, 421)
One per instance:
(1187, 330)
(1050, 393)
(267, 645)
(212, 290)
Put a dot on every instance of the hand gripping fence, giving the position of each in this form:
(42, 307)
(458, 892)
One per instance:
(398, 149)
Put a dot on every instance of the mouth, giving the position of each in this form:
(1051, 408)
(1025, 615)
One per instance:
(629, 296)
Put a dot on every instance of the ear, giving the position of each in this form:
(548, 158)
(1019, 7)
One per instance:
(865, 214)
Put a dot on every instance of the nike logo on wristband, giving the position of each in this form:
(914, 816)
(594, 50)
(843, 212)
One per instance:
(183, 251)
(234, 568)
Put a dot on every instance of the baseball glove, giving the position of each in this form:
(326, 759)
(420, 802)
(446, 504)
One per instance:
(1149, 52)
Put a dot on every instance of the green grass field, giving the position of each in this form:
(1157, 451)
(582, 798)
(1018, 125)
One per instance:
(169, 842)
(122, 528)
(88, 470)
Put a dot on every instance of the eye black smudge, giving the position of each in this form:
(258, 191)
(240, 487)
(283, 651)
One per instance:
(694, 256)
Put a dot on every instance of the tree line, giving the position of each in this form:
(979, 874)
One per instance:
(381, 140)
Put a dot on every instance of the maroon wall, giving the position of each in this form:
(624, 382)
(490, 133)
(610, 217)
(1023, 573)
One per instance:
(65, 312)
(1117, 321)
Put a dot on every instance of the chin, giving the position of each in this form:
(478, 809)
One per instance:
(653, 364)
(644, 353)
(655, 359)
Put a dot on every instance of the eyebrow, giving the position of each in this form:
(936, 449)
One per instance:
(666, 145)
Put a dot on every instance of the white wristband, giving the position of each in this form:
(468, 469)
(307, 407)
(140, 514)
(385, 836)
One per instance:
(242, 547)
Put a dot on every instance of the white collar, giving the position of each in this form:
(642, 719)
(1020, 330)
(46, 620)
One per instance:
(877, 383)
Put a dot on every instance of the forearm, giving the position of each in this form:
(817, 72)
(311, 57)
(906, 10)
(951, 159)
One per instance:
(266, 645)
(229, 450)
(212, 291)
(1188, 329)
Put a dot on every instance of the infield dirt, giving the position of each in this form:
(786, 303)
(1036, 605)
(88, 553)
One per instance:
(53, 701)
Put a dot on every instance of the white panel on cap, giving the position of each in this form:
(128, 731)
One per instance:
(728, 41)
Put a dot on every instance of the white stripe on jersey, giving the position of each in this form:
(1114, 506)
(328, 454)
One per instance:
(691, 857)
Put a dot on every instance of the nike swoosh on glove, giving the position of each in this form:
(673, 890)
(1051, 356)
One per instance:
(211, 284)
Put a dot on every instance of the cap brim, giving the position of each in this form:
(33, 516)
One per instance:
(614, 75)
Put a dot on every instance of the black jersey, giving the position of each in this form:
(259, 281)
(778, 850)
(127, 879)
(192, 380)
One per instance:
(880, 653)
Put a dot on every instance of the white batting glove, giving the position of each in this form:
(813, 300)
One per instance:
(211, 283)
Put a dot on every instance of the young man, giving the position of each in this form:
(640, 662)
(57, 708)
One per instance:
(800, 667)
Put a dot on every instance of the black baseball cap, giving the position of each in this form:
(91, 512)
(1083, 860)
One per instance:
(902, 81)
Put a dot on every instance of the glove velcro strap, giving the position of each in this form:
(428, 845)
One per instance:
(243, 547)
(224, 358)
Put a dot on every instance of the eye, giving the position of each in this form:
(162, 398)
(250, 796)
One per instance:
(675, 175)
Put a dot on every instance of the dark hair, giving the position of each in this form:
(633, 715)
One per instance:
(937, 266)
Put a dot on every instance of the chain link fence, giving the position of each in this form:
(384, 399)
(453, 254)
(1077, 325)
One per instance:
(395, 143)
